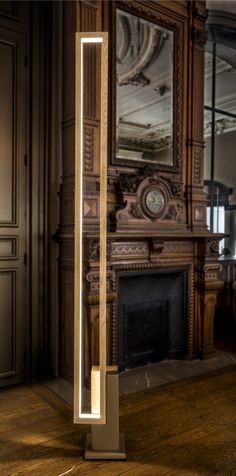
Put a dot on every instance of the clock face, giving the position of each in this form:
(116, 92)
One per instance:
(155, 201)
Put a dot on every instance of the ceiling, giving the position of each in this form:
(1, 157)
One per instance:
(223, 5)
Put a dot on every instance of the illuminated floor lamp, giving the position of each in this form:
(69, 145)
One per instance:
(102, 409)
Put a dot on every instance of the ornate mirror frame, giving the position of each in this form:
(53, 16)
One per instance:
(155, 14)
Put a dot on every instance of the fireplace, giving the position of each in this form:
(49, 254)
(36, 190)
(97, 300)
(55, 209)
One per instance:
(152, 308)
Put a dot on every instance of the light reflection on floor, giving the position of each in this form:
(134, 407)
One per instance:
(152, 375)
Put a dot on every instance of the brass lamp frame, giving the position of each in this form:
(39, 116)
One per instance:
(98, 374)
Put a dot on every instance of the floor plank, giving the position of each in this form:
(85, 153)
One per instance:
(184, 428)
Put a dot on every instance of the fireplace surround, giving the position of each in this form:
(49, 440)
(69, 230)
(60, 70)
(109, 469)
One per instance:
(190, 258)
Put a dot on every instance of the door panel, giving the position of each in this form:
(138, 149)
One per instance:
(13, 210)
(7, 322)
(7, 113)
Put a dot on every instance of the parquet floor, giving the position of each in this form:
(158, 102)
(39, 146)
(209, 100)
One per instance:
(183, 428)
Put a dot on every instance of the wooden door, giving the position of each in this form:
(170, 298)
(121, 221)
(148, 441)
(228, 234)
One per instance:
(13, 210)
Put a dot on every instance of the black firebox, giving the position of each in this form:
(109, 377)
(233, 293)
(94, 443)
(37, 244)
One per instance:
(151, 316)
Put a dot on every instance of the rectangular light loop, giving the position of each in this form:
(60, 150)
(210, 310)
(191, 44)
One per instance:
(97, 414)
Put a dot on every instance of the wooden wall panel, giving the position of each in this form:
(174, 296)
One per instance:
(68, 58)
(7, 131)
(8, 247)
(66, 324)
(9, 8)
(66, 228)
(7, 323)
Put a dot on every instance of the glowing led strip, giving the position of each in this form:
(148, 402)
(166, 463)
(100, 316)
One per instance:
(98, 377)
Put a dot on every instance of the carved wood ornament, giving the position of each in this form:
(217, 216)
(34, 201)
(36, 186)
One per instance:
(150, 199)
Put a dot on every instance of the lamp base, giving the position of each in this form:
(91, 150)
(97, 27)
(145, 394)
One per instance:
(103, 454)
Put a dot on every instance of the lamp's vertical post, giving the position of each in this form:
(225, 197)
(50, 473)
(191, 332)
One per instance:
(103, 220)
(97, 415)
(104, 442)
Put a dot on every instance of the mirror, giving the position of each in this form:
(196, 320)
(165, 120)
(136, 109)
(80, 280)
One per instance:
(144, 91)
(91, 111)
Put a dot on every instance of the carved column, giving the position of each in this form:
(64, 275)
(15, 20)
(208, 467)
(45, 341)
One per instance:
(197, 198)
(208, 285)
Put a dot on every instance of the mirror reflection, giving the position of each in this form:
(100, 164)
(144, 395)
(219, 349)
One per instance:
(220, 137)
(144, 67)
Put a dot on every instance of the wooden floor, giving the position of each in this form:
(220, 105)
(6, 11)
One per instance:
(184, 428)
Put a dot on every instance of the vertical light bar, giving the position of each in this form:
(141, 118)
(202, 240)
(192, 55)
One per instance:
(98, 375)
(103, 221)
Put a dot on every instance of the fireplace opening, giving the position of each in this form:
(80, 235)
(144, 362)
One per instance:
(151, 317)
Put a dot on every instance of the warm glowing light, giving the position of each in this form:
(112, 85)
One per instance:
(81, 229)
(95, 390)
(91, 40)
